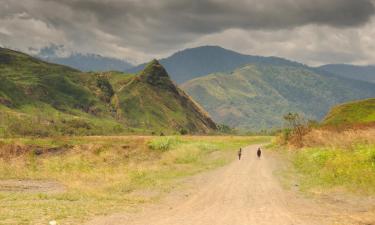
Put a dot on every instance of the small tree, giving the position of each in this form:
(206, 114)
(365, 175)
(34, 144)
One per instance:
(225, 129)
(105, 86)
(184, 131)
(297, 128)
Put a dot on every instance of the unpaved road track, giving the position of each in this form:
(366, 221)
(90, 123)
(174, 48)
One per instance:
(245, 192)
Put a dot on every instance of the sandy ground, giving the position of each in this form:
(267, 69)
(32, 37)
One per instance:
(31, 186)
(245, 192)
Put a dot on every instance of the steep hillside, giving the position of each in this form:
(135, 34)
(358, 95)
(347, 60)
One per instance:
(151, 100)
(195, 62)
(358, 112)
(39, 98)
(27, 80)
(364, 73)
(257, 96)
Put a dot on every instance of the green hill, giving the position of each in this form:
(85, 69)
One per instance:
(256, 96)
(352, 113)
(39, 98)
(151, 100)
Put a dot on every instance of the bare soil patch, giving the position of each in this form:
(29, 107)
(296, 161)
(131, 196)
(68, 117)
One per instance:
(31, 186)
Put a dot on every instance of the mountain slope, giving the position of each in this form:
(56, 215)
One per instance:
(363, 73)
(25, 80)
(39, 98)
(195, 62)
(152, 100)
(358, 112)
(256, 96)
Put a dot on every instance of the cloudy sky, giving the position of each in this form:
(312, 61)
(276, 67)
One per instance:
(310, 31)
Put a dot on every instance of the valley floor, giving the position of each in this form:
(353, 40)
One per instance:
(74, 179)
(245, 192)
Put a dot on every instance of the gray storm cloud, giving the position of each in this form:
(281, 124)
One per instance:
(150, 27)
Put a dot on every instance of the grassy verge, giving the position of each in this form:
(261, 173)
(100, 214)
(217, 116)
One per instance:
(101, 173)
(328, 167)
(333, 160)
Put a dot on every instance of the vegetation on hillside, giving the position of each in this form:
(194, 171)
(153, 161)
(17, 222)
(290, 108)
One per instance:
(352, 113)
(43, 99)
(256, 96)
(164, 106)
(102, 175)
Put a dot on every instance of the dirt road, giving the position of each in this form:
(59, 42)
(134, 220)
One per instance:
(245, 192)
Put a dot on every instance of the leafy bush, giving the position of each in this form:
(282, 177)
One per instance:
(163, 143)
(183, 131)
(225, 129)
(104, 85)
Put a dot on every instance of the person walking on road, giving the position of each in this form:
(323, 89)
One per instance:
(239, 154)
(259, 153)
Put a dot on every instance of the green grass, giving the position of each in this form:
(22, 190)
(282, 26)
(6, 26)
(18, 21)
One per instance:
(101, 173)
(358, 112)
(327, 167)
(164, 143)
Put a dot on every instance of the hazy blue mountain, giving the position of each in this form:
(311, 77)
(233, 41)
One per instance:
(364, 73)
(195, 62)
(83, 62)
(90, 62)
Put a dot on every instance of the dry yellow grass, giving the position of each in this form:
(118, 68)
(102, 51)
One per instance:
(334, 159)
(345, 139)
(99, 174)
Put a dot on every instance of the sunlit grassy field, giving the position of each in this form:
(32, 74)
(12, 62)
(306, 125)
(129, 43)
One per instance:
(333, 159)
(101, 174)
(352, 169)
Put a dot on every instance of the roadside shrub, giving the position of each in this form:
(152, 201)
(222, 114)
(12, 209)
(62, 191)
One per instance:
(163, 143)
(183, 131)
(225, 129)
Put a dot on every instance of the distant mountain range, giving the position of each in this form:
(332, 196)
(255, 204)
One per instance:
(90, 62)
(364, 73)
(40, 99)
(256, 96)
(83, 62)
(245, 91)
(196, 62)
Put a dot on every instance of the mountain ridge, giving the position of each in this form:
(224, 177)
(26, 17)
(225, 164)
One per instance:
(256, 96)
(355, 72)
(65, 101)
(84, 62)
(191, 63)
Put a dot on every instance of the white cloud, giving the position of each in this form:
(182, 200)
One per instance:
(311, 44)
